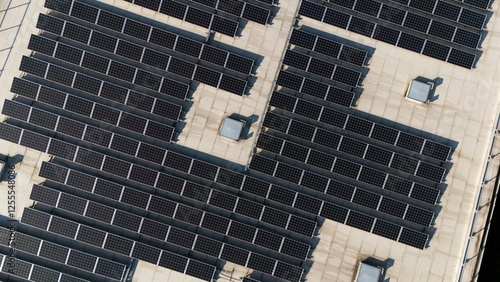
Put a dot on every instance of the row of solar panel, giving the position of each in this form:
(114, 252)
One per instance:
(66, 256)
(118, 244)
(87, 108)
(395, 37)
(349, 169)
(321, 68)
(346, 144)
(483, 4)
(405, 19)
(27, 271)
(148, 33)
(315, 88)
(164, 182)
(134, 52)
(207, 220)
(448, 11)
(162, 232)
(328, 47)
(241, 9)
(368, 129)
(168, 7)
(320, 160)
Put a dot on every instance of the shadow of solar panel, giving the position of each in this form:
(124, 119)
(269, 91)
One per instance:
(360, 221)
(398, 185)
(108, 189)
(229, 178)
(93, 236)
(111, 21)
(72, 204)
(467, 38)
(314, 182)
(413, 238)
(283, 101)
(289, 80)
(53, 252)
(308, 204)
(235, 255)
(181, 238)
(133, 123)
(154, 229)
(301, 130)
(24, 88)
(215, 223)
(207, 76)
(200, 270)
(224, 26)
(81, 181)
(208, 246)
(248, 208)
(419, 216)
(82, 260)
(33, 66)
(62, 149)
(296, 60)
(336, 18)
(16, 110)
(281, 195)
(312, 10)
(137, 29)
(173, 261)
(255, 14)
(371, 176)
(169, 183)
(124, 145)
(146, 253)
(332, 117)
(84, 12)
(275, 217)
(424, 194)
(35, 218)
(41, 45)
(43, 274)
(143, 175)
(97, 136)
(58, 5)
(386, 34)
(326, 138)
(203, 170)
(321, 160)
(410, 42)
(263, 165)
(34, 141)
(378, 155)
(118, 244)
(50, 24)
(196, 192)
(268, 240)
(261, 263)
(233, 84)
(294, 151)
(63, 227)
(386, 229)
(135, 198)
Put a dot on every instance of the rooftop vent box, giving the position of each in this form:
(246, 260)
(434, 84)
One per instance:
(419, 91)
(232, 128)
(368, 273)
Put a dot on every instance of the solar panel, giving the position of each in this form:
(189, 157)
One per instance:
(180, 237)
(235, 255)
(118, 244)
(294, 151)
(146, 253)
(256, 14)
(281, 195)
(53, 252)
(255, 186)
(413, 238)
(232, 84)
(34, 141)
(173, 261)
(249, 208)
(386, 229)
(288, 271)
(263, 165)
(64, 227)
(261, 263)
(92, 236)
(208, 246)
(200, 270)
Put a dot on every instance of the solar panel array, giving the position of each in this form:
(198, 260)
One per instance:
(423, 28)
(133, 52)
(147, 33)
(75, 259)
